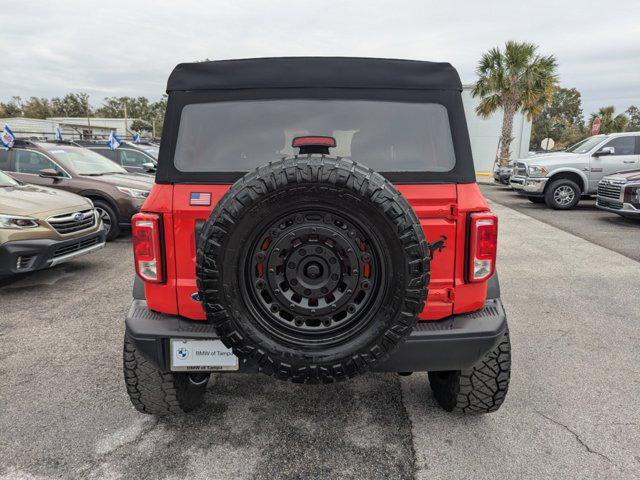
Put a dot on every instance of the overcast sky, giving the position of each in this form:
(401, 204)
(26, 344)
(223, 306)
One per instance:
(129, 47)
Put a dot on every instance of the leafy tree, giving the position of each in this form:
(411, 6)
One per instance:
(610, 122)
(151, 113)
(139, 126)
(12, 108)
(516, 79)
(633, 113)
(561, 119)
(37, 108)
(71, 105)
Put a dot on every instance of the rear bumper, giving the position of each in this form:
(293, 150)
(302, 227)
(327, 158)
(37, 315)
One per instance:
(24, 256)
(454, 343)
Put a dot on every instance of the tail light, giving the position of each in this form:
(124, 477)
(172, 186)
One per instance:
(146, 247)
(483, 245)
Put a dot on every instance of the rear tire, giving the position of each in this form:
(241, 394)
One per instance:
(536, 199)
(109, 219)
(562, 194)
(156, 393)
(480, 389)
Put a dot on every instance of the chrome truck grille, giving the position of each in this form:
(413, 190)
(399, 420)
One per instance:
(521, 169)
(73, 222)
(610, 188)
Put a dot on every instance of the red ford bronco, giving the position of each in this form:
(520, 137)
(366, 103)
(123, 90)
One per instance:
(314, 219)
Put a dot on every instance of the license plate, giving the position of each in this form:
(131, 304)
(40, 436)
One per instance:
(199, 355)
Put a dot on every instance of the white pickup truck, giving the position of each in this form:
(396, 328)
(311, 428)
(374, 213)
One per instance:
(560, 179)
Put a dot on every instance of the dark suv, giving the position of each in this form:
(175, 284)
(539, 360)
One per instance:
(116, 194)
(314, 219)
(128, 156)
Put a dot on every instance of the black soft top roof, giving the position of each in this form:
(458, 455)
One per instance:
(291, 72)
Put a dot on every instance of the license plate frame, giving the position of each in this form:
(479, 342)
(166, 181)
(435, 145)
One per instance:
(195, 355)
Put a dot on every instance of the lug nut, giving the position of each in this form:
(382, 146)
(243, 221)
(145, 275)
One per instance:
(326, 322)
(355, 271)
(365, 285)
(307, 291)
(291, 265)
(293, 281)
(334, 276)
(318, 249)
(275, 308)
(332, 260)
(351, 308)
(299, 218)
(302, 252)
(260, 256)
(298, 321)
(366, 258)
(260, 284)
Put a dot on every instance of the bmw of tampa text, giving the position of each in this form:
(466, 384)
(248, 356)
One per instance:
(560, 179)
(42, 227)
(315, 219)
(116, 194)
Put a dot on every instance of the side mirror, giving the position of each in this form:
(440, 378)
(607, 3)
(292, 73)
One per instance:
(149, 167)
(604, 151)
(49, 173)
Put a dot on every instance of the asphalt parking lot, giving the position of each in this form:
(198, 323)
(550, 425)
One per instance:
(606, 229)
(572, 411)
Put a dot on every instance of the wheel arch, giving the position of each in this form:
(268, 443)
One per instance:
(570, 174)
(97, 195)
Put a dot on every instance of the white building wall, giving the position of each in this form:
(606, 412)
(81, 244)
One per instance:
(117, 124)
(485, 133)
(35, 127)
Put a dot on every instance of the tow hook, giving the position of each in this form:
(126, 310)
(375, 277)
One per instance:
(436, 246)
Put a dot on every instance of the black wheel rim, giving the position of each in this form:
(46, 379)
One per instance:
(313, 278)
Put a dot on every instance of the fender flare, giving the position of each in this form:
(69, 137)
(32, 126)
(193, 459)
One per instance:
(580, 173)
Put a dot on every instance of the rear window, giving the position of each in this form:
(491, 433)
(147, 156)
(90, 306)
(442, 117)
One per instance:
(386, 136)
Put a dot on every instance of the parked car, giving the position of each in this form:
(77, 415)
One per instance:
(42, 227)
(128, 156)
(116, 194)
(149, 147)
(503, 174)
(266, 246)
(560, 179)
(620, 193)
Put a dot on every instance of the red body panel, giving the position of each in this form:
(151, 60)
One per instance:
(441, 209)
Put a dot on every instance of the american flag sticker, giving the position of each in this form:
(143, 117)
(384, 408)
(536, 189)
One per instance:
(200, 199)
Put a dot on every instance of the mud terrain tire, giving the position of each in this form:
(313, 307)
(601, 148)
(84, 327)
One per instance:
(156, 393)
(480, 389)
(312, 268)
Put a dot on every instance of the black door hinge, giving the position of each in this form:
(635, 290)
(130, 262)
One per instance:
(436, 246)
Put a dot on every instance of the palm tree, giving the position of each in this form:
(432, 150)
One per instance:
(514, 80)
(611, 123)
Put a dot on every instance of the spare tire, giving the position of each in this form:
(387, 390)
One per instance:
(312, 268)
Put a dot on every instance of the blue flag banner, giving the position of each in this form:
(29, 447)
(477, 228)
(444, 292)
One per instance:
(136, 138)
(58, 134)
(113, 142)
(7, 137)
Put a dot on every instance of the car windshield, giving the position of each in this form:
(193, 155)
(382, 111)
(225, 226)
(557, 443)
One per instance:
(7, 181)
(85, 162)
(386, 136)
(585, 145)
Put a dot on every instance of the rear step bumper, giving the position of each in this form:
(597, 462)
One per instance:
(454, 343)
